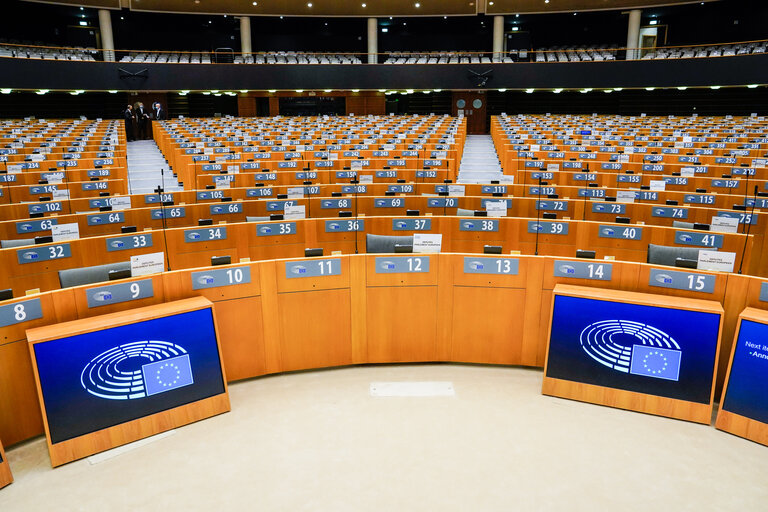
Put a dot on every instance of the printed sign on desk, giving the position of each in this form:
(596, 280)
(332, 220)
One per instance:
(146, 264)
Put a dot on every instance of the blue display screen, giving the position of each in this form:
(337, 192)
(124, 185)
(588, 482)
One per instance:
(103, 378)
(646, 349)
(747, 391)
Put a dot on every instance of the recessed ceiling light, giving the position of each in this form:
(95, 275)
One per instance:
(653, 22)
(650, 88)
(255, 4)
(714, 87)
(327, 90)
(618, 89)
(417, 5)
(529, 91)
(309, 4)
(382, 90)
(515, 29)
(438, 90)
(272, 91)
(502, 90)
(364, 6)
(752, 86)
(5, 91)
(490, 3)
(517, 15)
(83, 23)
(681, 88)
(243, 91)
(299, 90)
(557, 91)
(546, 1)
(355, 90)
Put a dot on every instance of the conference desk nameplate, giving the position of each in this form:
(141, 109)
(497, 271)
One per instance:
(97, 173)
(494, 189)
(210, 194)
(354, 189)
(344, 174)
(258, 192)
(402, 264)
(583, 270)
(426, 174)
(49, 252)
(699, 239)
(744, 218)
(99, 219)
(763, 292)
(670, 212)
(386, 174)
(225, 208)
(544, 191)
(761, 203)
(169, 212)
(400, 189)
(120, 292)
(215, 278)
(663, 278)
(716, 183)
(34, 226)
(44, 207)
(389, 202)
(442, 202)
(313, 268)
(478, 225)
(8, 178)
(279, 206)
(610, 208)
(264, 176)
(335, 203)
(628, 178)
(618, 231)
(548, 228)
(158, 198)
(500, 266)
(580, 176)
(552, 205)
(122, 243)
(699, 199)
(305, 175)
(205, 234)
(414, 224)
(547, 175)
(591, 192)
(95, 185)
(277, 228)
(20, 312)
(337, 226)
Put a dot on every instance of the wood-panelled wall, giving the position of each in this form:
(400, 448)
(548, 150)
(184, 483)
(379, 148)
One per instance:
(359, 103)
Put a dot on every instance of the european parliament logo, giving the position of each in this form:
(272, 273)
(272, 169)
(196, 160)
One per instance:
(137, 370)
(632, 347)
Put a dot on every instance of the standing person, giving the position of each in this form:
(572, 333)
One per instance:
(159, 112)
(130, 118)
(142, 118)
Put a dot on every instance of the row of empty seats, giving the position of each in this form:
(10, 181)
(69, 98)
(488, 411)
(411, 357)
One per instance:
(37, 50)
(257, 58)
(576, 53)
(728, 50)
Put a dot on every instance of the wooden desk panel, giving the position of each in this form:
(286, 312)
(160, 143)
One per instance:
(401, 323)
(5, 469)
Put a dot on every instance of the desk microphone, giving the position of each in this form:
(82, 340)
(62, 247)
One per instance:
(538, 217)
(749, 225)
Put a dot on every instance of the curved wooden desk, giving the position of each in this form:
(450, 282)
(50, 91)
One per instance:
(272, 322)
(5, 470)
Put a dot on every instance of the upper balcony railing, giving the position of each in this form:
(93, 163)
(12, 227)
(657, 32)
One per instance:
(539, 55)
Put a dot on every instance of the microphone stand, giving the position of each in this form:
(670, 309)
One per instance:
(749, 225)
(354, 183)
(538, 217)
(160, 191)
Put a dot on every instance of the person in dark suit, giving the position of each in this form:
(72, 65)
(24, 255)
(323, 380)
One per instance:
(130, 120)
(158, 112)
(142, 120)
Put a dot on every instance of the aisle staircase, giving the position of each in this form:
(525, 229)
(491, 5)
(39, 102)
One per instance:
(145, 161)
(479, 163)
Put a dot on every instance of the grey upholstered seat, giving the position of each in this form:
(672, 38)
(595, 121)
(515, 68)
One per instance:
(385, 243)
(666, 255)
(23, 242)
(87, 275)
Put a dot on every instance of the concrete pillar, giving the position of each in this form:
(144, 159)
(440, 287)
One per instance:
(105, 28)
(245, 36)
(633, 34)
(498, 38)
(373, 41)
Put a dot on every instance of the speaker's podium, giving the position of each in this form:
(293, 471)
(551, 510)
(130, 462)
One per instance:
(109, 380)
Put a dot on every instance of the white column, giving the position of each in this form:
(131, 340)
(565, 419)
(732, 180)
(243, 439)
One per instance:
(633, 33)
(373, 42)
(245, 36)
(498, 38)
(105, 28)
